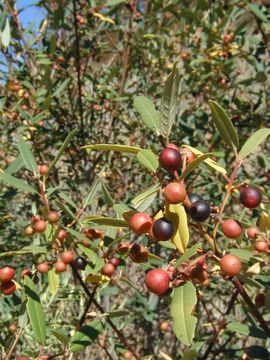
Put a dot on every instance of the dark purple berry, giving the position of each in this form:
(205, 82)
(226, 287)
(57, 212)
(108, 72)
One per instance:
(194, 197)
(163, 229)
(80, 263)
(169, 159)
(250, 197)
(200, 210)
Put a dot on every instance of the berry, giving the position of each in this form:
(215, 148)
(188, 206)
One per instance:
(22, 358)
(12, 328)
(26, 272)
(157, 281)
(127, 355)
(230, 265)
(164, 326)
(200, 210)
(260, 300)
(250, 197)
(268, 175)
(43, 169)
(35, 218)
(173, 146)
(62, 235)
(108, 269)
(138, 253)
(123, 247)
(40, 226)
(67, 257)
(187, 155)
(140, 223)
(80, 263)
(114, 261)
(42, 267)
(53, 216)
(253, 232)
(170, 159)
(198, 275)
(194, 197)
(175, 193)
(60, 266)
(163, 229)
(7, 273)
(8, 288)
(261, 245)
(29, 230)
(232, 228)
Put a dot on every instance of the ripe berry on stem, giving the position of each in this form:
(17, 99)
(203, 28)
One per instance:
(230, 265)
(200, 210)
(175, 193)
(140, 223)
(42, 267)
(7, 273)
(8, 288)
(188, 155)
(157, 281)
(53, 216)
(232, 228)
(60, 266)
(29, 230)
(260, 300)
(250, 196)
(163, 229)
(108, 269)
(67, 257)
(40, 226)
(62, 235)
(194, 197)
(261, 245)
(253, 232)
(80, 263)
(26, 272)
(43, 169)
(115, 261)
(170, 159)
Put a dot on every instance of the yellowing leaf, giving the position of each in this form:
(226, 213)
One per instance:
(264, 222)
(177, 215)
(104, 18)
(213, 164)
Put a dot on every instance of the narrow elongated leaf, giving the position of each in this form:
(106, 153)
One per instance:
(61, 335)
(107, 221)
(255, 140)
(195, 163)
(15, 166)
(53, 279)
(246, 330)
(61, 87)
(257, 12)
(188, 254)
(148, 112)
(113, 147)
(32, 249)
(144, 194)
(177, 214)
(148, 159)
(92, 192)
(92, 256)
(86, 336)
(184, 299)
(169, 102)
(106, 193)
(16, 183)
(224, 125)
(5, 34)
(34, 310)
(27, 156)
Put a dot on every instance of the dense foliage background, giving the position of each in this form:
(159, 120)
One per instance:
(81, 68)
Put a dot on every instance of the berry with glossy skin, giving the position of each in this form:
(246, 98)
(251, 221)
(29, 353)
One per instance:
(60, 266)
(164, 326)
(157, 281)
(8, 288)
(194, 197)
(250, 196)
(114, 261)
(188, 155)
(253, 232)
(163, 229)
(198, 275)
(62, 235)
(26, 272)
(173, 146)
(35, 218)
(43, 169)
(169, 159)
(200, 210)
(80, 263)
(230, 265)
(138, 253)
(108, 269)
(42, 267)
(260, 300)
(53, 216)
(40, 226)
(140, 223)
(7, 273)
(232, 228)
(29, 230)
(175, 193)
(261, 245)
(67, 257)
(268, 176)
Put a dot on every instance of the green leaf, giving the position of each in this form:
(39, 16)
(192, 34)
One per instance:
(146, 197)
(32, 249)
(66, 210)
(107, 221)
(113, 147)
(86, 336)
(224, 125)
(34, 310)
(169, 102)
(188, 254)
(195, 163)
(121, 208)
(16, 183)
(61, 87)
(15, 166)
(106, 193)
(115, 2)
(257, 12)
(246, 330)
(257, 352)
(5, 34)
(53, 279)
(92, 256)
(63, 147)
(92, 192)
(183, 301)
(61, 335)
(148, 159)
(244, 255)
(255, 140)
(27, 156)
(148, 112)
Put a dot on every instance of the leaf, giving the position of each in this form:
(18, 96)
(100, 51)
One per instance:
(61, 87)
(255, 140)
(246, 330)
(86, 336)
(115, 2)
(148, 159)
(148, 112)
(63, 147)
(92, 192)
(142, 201)
(120, 209)
(15, 166)
(34, 310)
(107, 221)
(188, 254)
(264, 221)
(257, 12)
(169, 102)
(224, 125)
(27, 156)
(5, 34)
(104, 18)
(244, 255)
(177, 215)
(16, 183)
(92, 256)
(183, 301)
(32, 249)
(258, 352)
(113, 147)
(210, 162)
(195, 163)
(61, 335)
(53, 279)
(106, 193)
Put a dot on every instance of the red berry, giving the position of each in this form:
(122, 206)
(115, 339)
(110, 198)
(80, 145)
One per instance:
(268, 175)
(62, 235)
(108, 269)
(7, 273)
(169, 159)
(35, 218)
(140, 223)
(198, 275)
(253, 232)
(40, 226)
(26, 272)
(29, 230)
(60, 266)
(173, 146)
(22, 358)
(260, 300)
(230, 265)
(43, 169)
(175, 193)
(157, 281)
(42, 267)
(115, 261)
(53, 216)
(127, 355)
(123, 247)
(250, 197)
(188, 155)
(232, 228)
(8, 288)
(164, 326)
(67, 257)
(138, 253)
(261, 245)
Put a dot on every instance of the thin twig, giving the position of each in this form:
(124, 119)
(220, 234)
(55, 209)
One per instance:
(7, 357)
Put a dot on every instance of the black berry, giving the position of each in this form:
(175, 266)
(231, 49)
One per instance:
(250, 197)
(163, 229)
(200, 210)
